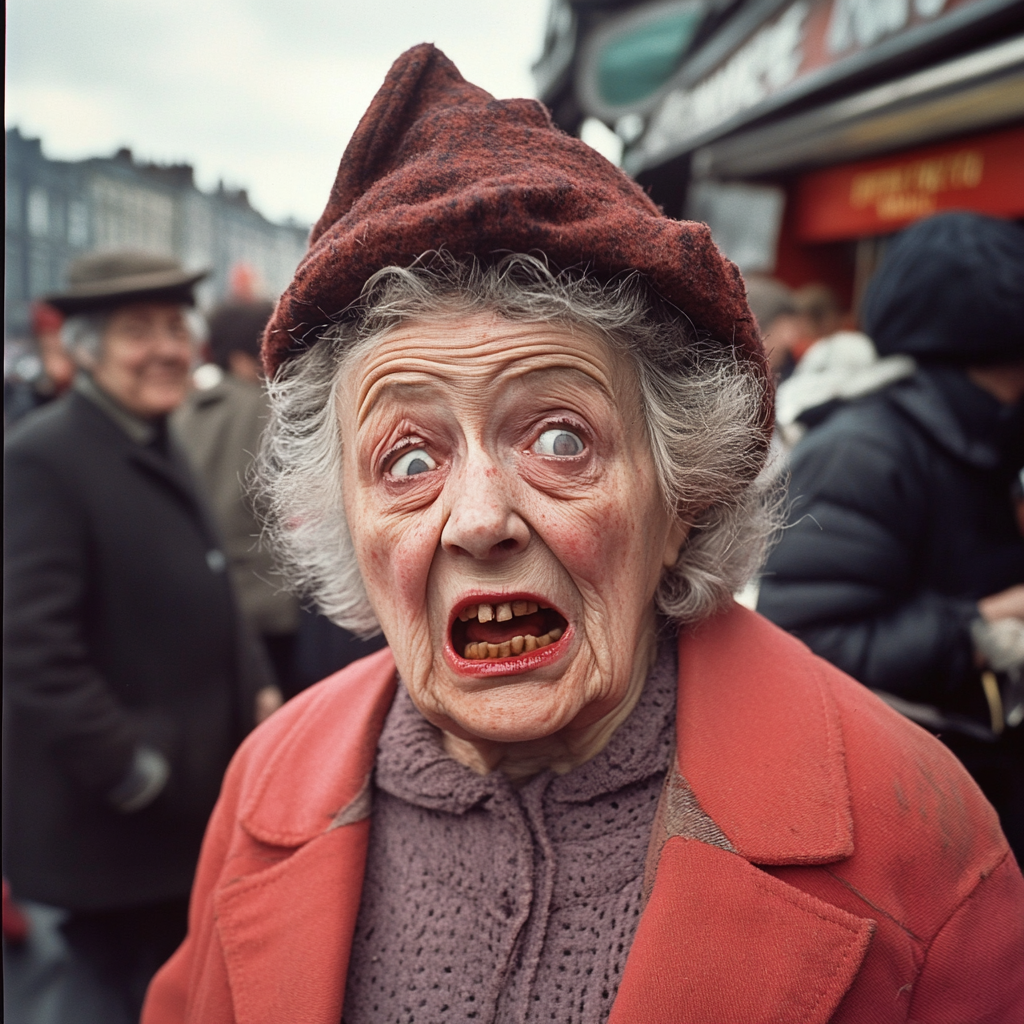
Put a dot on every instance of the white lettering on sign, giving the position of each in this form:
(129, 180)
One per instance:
(766, 63)
(858, 24)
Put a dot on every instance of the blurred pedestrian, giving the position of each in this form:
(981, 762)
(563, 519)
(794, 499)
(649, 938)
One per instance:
(220, 425)
(58, 366)
(783, 327)
(821, 309)
(833, 366)
(904, 560)
(37, 377)
(128, 677)
(835, 370)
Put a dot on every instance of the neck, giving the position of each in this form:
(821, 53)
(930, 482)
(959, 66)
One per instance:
(564, 750)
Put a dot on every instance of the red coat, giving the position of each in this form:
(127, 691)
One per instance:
(870, 881)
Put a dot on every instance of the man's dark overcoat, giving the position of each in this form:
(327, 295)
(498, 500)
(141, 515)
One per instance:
(120, 630)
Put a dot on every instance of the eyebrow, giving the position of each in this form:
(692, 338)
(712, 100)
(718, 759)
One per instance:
(393, 390)
(409, 390)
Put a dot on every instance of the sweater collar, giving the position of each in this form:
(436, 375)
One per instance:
(413, 765)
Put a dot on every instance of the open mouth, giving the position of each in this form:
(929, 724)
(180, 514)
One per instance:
(491, 631)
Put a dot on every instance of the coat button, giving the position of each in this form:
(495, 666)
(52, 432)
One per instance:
(216, 561)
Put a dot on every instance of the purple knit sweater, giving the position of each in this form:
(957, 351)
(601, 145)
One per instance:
(486, 903)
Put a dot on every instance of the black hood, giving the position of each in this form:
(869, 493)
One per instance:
(950, 288)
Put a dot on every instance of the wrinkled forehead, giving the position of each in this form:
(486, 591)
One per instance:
(484, 351)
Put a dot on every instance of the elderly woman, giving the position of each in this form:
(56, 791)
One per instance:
(519, 416)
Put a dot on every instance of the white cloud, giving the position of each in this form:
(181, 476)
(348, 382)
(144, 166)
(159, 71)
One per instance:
(262, 93)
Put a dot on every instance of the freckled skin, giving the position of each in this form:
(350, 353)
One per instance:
(493, 515)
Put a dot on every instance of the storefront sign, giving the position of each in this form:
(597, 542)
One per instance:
(877, 197)
(804, 39)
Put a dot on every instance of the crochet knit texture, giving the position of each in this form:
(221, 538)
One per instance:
(486, 903)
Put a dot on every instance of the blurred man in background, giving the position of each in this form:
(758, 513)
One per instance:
(822, 311)
(833, 365)
(129, 679)
(783, 326)
(220, 426)
(904, 560)
(38, 377)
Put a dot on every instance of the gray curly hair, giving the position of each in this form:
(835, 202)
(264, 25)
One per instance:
(701, 404)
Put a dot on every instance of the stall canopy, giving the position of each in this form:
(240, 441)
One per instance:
(984, 173)
(772, 60)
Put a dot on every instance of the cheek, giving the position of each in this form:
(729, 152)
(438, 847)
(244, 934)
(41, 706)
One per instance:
(604, 543)
(395, 560)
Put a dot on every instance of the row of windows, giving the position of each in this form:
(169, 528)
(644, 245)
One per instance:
(45, 215)
(120, 215)
(44, 272)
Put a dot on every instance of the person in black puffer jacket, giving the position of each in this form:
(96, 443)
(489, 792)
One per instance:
(903, 563)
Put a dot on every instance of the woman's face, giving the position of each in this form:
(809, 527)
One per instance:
(506, 515)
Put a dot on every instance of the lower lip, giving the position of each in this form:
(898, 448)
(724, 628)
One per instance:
(514, 666)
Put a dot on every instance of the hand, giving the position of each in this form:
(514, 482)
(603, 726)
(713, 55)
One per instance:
(268, 700)
(1007, 604)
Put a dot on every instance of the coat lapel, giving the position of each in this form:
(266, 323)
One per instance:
(286, 931)
(723, 941)
(760, 778)
(287, 913)
(760, 742)
(174, 474)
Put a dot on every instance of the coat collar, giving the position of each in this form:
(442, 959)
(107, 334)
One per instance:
(760, 746)
(171, 470)
(760, 743)
(761, 779)
(758, 736)
(331, 766)
(139, 430)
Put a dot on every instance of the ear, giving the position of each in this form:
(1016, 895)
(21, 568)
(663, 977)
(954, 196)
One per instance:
(678, 531)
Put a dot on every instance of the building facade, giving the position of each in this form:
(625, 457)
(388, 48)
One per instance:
(57, 210)
(803, 132)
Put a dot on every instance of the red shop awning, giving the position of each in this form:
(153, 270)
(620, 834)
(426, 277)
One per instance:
(984, 173)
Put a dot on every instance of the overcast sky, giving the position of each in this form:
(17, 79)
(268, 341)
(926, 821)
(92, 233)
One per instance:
(261, 93)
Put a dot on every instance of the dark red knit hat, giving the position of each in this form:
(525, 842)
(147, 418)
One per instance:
(439, 164)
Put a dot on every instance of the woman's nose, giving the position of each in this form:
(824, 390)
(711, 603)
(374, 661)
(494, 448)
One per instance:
(483, 522)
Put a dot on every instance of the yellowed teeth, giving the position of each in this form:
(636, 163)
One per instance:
(517, 645)
(498, 612)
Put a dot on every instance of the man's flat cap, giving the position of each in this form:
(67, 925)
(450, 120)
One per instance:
(103, 280)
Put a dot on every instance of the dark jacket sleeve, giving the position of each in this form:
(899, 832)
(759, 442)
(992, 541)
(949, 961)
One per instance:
(845, 575)
(48, 675)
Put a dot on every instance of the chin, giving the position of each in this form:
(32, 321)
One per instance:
(514, 711)
(162, 403)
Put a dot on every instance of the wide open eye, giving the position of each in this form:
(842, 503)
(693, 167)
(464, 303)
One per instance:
(412, 462)
(560, 441)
